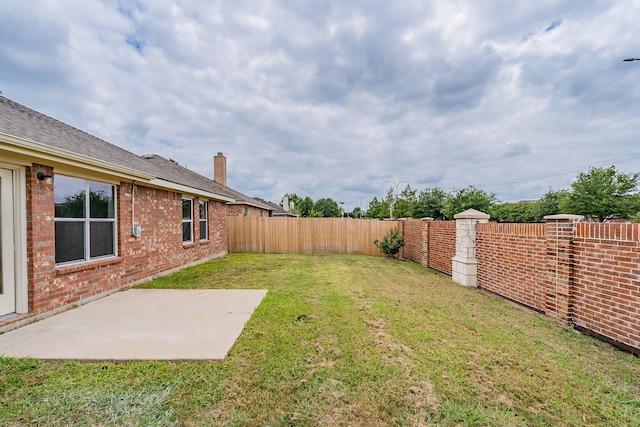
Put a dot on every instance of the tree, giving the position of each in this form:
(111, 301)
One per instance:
(550, 204)
(430, 203)
(515, 212)
(389, 199)
(355, 213)
(294, 200)
(403, 206)
(604, 193)
(305, 206)
(468, 198)
(328, 207)
(378, 209)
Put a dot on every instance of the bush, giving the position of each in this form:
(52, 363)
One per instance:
(391, 243)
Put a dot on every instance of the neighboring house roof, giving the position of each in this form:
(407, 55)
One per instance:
(242, 199)
(277, 209)
(30, 134)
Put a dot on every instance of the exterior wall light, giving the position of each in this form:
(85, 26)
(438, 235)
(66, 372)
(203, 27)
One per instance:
(48, 179)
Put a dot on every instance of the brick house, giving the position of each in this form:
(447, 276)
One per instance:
(81, 217)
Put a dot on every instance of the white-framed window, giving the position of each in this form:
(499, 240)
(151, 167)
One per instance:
(85, 219)
(246, 211)
(187, 220)
(204, 207)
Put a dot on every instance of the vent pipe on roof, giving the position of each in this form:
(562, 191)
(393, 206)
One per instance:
(220, 169)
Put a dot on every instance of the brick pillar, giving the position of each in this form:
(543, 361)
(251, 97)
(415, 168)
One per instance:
(464, 266)
(425, 241)
(560, 230)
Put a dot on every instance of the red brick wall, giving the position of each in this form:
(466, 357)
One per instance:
(160, 247)
(606, 286)
(416, 241)
(512, 261)
(430, 243)
(582, 274)
(442, 245)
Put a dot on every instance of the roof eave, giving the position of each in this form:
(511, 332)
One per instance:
(161, 183)
(47, 152)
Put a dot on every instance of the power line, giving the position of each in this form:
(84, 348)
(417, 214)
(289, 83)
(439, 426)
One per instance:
(563, 171)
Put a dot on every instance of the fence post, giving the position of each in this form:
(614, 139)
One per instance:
(560, 232)
(464, 265)
(425, 241)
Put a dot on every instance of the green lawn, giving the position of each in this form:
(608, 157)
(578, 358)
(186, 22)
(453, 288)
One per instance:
(346, 340)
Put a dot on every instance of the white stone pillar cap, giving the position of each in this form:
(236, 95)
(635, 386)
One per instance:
(472, 214)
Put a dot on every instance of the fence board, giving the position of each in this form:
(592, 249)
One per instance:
(306, 235)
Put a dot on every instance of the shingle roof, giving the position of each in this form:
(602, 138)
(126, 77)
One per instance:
(171, 171)
(22, 122)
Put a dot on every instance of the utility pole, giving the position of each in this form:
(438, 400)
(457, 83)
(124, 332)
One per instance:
(360, 204)
(393, 202)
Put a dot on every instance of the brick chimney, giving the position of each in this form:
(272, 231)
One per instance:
(220, 169)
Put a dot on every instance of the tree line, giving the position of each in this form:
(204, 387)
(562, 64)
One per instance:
(306, 207)
(600, 194)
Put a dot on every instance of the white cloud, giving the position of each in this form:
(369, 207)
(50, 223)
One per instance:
(330, 99)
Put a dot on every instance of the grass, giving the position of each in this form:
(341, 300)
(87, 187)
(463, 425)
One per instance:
(346, 340)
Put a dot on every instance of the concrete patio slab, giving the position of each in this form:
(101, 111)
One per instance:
(140, 324)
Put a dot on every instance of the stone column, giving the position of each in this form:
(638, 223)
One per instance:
(560, 230)
(464, 266)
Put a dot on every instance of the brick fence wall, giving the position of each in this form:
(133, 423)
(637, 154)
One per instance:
(586, 275)
(442, 245)
(416, 246)
(430, 243)
(512, 261)
(606, 286)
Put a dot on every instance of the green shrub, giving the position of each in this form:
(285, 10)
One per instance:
(391, 243)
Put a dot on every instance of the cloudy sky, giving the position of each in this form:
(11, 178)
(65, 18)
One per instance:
(334, 98)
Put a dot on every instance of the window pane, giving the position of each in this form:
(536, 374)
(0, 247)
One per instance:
(203, 210)
(186, 208)
(101, 200)
(203, 230)
(69, 241)
(101, 238)
(69, 197)
(186, 231)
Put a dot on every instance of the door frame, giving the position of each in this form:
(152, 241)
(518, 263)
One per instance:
(19, 235)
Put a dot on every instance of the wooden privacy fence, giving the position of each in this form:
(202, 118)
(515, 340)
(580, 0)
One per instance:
(306, 235)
